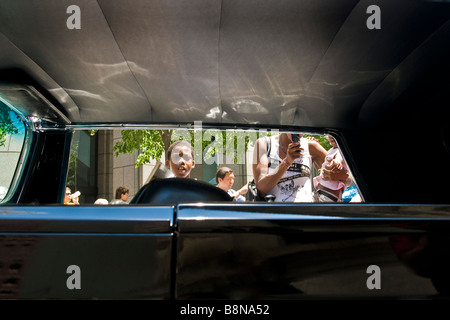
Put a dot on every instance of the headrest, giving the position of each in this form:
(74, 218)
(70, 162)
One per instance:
(178, 190)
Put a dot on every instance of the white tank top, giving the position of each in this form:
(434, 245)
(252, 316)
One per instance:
(296, 184)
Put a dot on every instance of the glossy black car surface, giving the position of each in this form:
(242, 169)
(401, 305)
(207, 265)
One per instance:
(373, 74)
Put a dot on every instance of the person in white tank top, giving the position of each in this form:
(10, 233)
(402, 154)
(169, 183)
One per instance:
(286, 172)
(295, 185)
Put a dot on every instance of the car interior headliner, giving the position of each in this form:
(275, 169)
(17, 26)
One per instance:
(274, 62)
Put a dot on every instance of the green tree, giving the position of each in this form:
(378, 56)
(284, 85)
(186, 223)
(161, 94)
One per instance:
(152, 144)
(7, 123)
(323, 140)
(72, 172)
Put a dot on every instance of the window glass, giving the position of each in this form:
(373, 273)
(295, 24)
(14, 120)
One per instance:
(110, 166)
(12, 137)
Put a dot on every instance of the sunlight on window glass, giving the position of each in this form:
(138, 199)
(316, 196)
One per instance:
(12, 135)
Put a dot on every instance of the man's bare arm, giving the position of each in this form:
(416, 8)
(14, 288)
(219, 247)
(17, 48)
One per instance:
(265, 181)
(318, 153)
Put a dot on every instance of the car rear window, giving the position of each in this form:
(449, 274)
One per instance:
(105, 163)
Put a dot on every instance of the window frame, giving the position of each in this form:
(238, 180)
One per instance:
(224, 127)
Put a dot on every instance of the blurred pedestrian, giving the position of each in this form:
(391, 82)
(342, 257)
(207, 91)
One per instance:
(225, 180)
(121, 196)
(70, 198)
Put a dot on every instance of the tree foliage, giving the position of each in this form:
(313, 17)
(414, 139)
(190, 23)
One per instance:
(233, 144)
(323, 140)
(7, 126)
(152, 144)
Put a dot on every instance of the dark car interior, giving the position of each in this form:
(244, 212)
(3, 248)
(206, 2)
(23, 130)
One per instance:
(294, 65)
